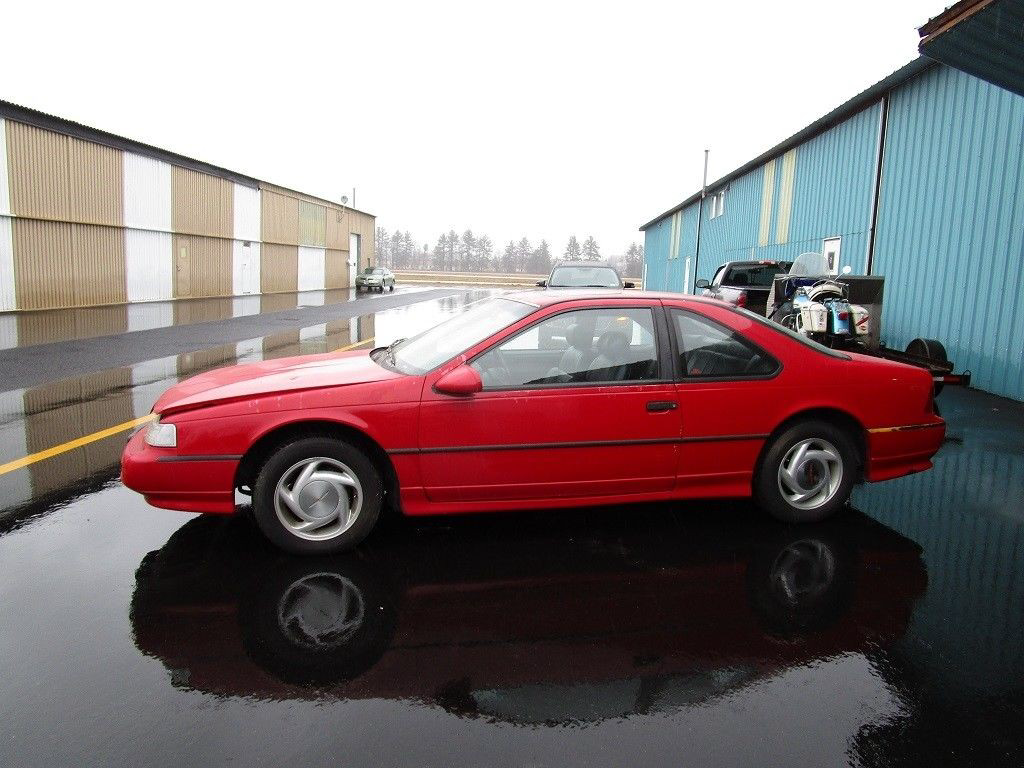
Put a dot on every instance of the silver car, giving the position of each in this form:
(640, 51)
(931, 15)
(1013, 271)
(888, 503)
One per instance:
(375, 279)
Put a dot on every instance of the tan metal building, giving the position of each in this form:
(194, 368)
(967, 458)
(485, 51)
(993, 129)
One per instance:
(88, 218)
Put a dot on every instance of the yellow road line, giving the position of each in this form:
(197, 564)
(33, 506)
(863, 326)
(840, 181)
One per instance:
(353, 346)
(72, 444)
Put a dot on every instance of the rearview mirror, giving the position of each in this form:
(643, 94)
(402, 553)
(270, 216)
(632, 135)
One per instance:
(464, 380)
(628, 284)
(542, 283)
(702, 283)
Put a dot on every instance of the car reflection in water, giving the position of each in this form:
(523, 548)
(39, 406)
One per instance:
(557, 619)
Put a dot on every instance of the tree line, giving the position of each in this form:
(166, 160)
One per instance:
(469, 252)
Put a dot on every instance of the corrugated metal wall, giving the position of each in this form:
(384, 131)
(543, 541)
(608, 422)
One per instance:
(951, 224)
(335, 269)
(58, 264)
(312, 224)
(280, 219)
(950, 234)
(202, 266)
(83, 224)
(279, 270)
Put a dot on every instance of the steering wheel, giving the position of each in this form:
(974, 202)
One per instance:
(497, 367)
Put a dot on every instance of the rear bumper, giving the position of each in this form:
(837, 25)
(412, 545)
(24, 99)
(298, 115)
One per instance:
(186, 483)
(898, 451)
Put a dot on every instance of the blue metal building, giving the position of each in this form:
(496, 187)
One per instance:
(921, 179)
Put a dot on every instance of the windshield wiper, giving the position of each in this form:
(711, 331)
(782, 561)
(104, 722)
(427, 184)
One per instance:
(390, 351)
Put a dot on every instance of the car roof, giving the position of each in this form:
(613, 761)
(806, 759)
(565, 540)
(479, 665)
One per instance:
(540, 297)
(583, 264)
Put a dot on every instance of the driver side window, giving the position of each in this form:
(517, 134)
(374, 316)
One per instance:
(609, 345)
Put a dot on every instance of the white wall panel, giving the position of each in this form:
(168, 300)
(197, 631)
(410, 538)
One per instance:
(5, 184)
(150, 380)
(245, 305)
(247, 213)
(312, 262)
(8, 295)
(147, 193)
(149, 266)
(245, 267)
(249, 351)
(17, 486)
(8, 331)
(142, 317)
(313, 332)
(310, 299)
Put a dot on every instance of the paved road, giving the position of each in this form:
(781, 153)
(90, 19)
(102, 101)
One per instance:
(28, 366)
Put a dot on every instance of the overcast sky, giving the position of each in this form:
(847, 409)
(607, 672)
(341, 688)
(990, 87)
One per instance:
(516, 119)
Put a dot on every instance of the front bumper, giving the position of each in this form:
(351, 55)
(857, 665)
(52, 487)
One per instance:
(173, 481)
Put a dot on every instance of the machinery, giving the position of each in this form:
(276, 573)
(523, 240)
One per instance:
(844, 311)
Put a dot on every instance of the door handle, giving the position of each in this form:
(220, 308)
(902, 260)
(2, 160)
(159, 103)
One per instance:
(659, 406)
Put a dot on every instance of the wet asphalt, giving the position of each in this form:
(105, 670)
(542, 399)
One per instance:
(677, 634)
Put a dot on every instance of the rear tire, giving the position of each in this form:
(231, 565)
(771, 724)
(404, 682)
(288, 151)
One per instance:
(807, 473)
(317, 495)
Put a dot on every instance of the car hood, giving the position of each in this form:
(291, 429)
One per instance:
(288, 374)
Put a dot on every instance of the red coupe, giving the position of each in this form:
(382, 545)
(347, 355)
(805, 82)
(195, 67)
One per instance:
(538, 399)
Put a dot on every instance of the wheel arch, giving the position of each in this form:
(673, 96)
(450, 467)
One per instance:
(264, 446)
(838, 417)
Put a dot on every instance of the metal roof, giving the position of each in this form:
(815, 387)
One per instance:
(984, 38)
(849, 108)
(61, 125)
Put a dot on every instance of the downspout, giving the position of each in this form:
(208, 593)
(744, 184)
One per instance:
(883, 119)
(700, 215)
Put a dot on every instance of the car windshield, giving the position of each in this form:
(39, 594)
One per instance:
(373, 271)
(584, 277)
(429, 349)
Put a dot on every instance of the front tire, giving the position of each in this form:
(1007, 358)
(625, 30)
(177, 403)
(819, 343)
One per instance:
(317, 495)
(807, 473)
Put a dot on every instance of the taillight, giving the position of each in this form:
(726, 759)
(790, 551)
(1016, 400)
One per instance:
(741, 300)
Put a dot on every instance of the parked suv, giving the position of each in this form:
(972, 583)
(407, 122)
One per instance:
(584, 274)
(744, 283)
(375, 279)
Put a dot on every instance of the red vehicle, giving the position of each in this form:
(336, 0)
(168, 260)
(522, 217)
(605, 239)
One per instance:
(532, 400)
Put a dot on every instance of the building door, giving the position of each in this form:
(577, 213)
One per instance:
(250, 277)
(182, 270)
(830, 250)
(353, 259)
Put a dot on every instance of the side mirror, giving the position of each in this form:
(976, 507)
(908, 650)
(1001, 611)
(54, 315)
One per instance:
(702, 283)
(541, 283)
(464, 380)
(628, 284)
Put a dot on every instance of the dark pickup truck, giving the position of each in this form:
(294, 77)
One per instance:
(744, 283)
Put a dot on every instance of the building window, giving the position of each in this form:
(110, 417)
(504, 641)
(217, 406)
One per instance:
(717, 205)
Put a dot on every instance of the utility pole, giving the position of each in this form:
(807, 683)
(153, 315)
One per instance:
(692, 286)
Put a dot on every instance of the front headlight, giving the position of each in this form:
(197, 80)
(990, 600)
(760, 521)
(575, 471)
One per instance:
(162, 435)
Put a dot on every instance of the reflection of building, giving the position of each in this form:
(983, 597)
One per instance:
(40, 417)
(520, 620)
(89, 218)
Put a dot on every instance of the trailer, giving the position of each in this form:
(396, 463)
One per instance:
(791, 295)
